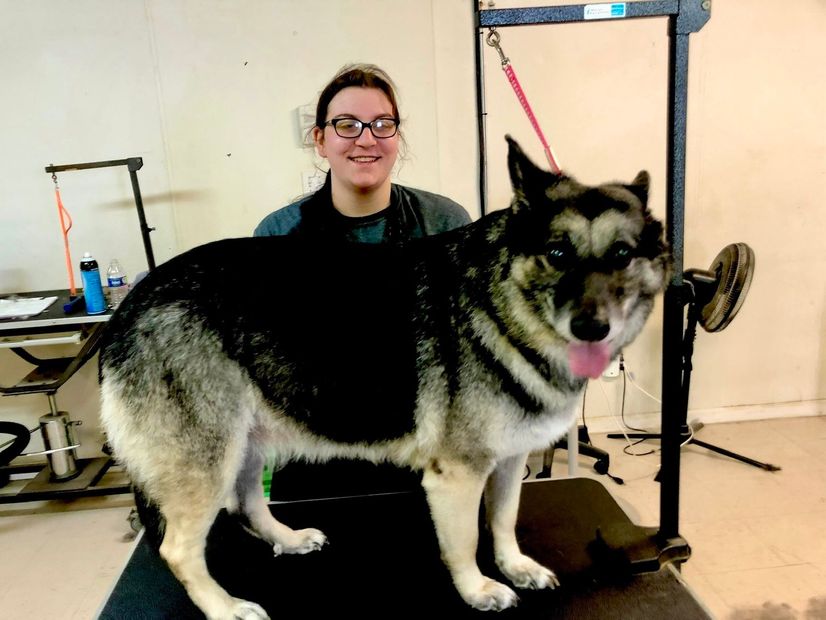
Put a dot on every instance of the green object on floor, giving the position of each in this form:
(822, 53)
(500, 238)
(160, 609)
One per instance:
(266, 480)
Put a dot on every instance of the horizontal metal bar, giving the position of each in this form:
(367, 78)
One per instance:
(572, 13)
(134, 163)
(42, 452)
(13, 343)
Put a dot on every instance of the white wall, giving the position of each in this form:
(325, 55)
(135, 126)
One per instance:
(79, 86)
(206, 92)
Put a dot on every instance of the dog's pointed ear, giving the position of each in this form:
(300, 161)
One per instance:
(639, 186)
(524, 173)
(527, 177)
(521, 168)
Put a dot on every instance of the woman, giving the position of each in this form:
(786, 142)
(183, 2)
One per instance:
(357, 131)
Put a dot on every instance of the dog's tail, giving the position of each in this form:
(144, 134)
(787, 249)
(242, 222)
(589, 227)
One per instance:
(150, 516)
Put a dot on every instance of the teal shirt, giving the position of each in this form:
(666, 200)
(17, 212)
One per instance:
(413, 213)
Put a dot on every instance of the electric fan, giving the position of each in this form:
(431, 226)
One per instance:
(719, 292)
(714, 297)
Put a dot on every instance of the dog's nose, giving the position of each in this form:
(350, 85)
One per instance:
(586, 327)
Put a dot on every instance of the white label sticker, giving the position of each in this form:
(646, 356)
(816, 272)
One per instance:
(605, 11)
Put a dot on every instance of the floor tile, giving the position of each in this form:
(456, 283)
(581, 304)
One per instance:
(791, 587)
(732, 545)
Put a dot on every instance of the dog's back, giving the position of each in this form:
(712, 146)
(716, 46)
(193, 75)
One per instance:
(317, 329)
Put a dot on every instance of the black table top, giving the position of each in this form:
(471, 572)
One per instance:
(383, 562)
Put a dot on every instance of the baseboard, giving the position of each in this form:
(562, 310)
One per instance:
(741, 413)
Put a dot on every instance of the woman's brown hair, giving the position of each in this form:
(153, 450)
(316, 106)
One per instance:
(363, 75)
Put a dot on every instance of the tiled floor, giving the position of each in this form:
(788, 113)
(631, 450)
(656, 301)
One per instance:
(758, 538)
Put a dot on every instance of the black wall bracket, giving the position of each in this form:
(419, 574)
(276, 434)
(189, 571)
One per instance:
(133, 164)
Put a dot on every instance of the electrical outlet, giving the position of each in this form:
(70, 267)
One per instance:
(613, 370)
(312, 181)
(304, 122)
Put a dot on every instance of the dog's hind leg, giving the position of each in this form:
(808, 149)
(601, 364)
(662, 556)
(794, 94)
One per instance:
(502, 507)
(253, 507)
(189, 517)
(454, 492)
(189, 496)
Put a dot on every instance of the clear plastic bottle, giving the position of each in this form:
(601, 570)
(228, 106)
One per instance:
(117, 283)
(92, 289)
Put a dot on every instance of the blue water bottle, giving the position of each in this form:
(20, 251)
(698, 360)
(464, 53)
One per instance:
(92, 288)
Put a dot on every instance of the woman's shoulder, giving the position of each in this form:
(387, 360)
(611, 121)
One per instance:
(439, 213)
(282, 221)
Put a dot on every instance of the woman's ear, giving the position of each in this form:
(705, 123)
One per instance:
(318, 140)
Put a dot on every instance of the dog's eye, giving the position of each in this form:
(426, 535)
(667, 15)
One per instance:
(560, 253)
(620, 255)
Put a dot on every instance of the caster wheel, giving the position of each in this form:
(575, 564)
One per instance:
(135, 521)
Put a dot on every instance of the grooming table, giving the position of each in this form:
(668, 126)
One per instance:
(383, 562)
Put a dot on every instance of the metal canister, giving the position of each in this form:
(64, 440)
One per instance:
(59, 443)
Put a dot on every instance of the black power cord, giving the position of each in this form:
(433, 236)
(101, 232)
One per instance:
(15, 446)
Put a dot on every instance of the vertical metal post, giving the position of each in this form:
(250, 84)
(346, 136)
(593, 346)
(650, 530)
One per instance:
(481, 112)
(672, 396)
(135, 164)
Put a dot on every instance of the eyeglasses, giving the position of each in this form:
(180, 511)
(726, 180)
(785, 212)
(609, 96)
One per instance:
(353, 128)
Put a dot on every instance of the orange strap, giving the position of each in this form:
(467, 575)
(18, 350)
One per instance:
(64, 229)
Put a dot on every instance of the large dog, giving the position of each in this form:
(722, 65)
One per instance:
(455, 355)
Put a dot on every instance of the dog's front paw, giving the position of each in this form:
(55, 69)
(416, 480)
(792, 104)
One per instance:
(526, 573)
(300, 542)
(489, 595)
(245, 610)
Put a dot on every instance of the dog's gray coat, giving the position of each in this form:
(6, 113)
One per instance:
(452, 355)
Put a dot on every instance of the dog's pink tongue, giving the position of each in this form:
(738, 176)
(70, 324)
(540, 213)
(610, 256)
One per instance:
(588, 359)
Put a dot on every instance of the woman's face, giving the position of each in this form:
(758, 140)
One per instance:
(363, 164)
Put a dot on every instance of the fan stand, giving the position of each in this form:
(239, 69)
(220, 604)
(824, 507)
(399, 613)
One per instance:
(714, 297)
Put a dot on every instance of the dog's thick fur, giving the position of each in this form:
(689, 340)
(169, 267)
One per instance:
(455, 355)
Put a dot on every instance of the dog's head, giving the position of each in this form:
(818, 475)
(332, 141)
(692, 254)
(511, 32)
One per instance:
(585, 264)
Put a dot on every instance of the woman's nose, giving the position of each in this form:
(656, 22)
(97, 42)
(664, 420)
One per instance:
(366, 138)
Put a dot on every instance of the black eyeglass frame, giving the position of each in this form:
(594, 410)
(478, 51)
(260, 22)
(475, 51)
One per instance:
(364, 125)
